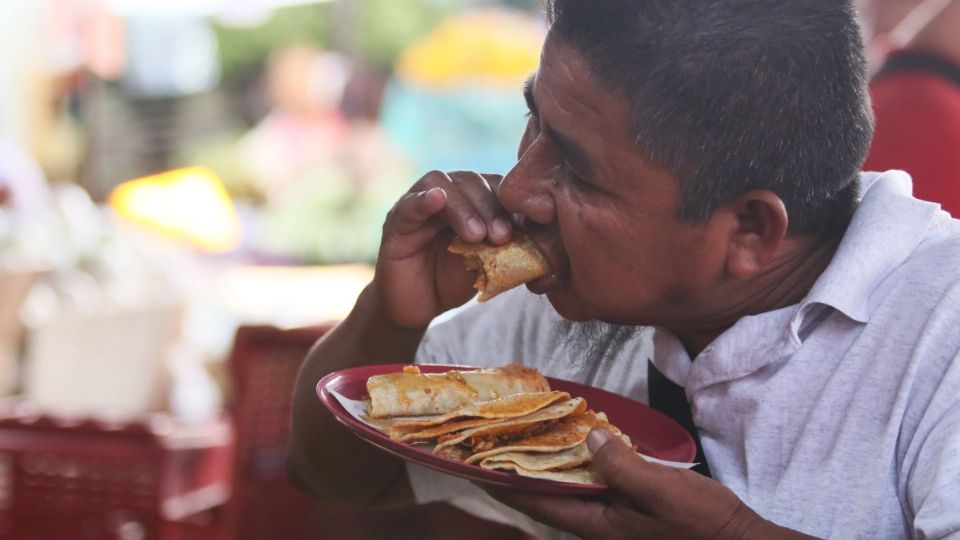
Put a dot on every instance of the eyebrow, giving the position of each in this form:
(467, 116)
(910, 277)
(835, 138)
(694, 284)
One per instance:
(573, 152)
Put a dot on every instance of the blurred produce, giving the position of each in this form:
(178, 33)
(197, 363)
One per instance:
(496, 47)
(314, 185)
(456, 100)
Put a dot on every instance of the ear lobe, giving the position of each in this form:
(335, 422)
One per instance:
(760, 227)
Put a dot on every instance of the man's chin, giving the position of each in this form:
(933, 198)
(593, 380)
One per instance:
(569, 307)
(574, 309)
(564, 298)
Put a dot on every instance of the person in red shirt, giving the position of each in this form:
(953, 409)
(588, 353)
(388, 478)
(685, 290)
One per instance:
(916, 95)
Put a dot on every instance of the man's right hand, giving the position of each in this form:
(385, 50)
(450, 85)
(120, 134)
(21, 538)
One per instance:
(416, 277)
(416, 280)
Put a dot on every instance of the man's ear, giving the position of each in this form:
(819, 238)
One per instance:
(759, 222)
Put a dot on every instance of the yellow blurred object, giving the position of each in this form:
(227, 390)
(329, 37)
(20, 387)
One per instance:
(275, 295)
(496, 47)
(188, 204)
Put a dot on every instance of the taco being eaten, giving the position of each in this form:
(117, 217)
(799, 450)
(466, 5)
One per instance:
(501, 268)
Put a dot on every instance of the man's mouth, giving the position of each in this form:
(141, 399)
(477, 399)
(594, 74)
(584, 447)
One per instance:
(544, 284)
(553, 252)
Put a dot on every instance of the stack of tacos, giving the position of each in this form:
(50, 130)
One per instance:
(538, 432)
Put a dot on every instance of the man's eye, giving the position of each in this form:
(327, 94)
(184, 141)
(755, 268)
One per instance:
(575, 179)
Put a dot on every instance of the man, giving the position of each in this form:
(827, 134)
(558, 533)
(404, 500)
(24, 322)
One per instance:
(916, 95)
(689, 165)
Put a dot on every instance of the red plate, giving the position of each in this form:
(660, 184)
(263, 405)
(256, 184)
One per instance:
(654, 433)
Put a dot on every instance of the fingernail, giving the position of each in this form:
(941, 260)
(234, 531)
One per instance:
(499, 227)
(597, 438)
(475, 228)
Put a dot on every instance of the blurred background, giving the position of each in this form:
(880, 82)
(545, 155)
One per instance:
(189, 191)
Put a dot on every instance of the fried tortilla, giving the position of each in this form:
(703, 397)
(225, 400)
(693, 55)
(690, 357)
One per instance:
(577, 476)
(498, 419)
(411, 393)
(486, 437)
(407, 434)
(542, 461)
(469, 416)
(501, 268)
(566, 433)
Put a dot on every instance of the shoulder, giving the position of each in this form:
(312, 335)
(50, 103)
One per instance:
(935, 263)
(926, 286)
(915, 307)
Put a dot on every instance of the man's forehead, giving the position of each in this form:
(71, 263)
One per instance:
(564, 81)
(582, 115)
(566, 140)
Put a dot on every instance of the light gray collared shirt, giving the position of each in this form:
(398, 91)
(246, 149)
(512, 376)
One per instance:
(838, 417)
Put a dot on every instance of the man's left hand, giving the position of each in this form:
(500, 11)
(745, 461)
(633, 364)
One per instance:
(647, 501)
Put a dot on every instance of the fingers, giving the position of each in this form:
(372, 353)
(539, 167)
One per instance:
(416, 207)
(472, 209)
(583, 517)
(480, 191)
(412, 224)
(493, 180)
(623, 470)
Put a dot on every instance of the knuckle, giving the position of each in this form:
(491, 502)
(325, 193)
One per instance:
(433, 178)
(492, 182)
(469, 180)
(403, 209)
(461, 175)
(609, 453)
(391, 215)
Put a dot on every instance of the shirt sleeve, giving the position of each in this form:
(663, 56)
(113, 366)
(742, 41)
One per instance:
(934, 486)
(931, 468)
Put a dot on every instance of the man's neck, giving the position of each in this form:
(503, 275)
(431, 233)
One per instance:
(784, 282)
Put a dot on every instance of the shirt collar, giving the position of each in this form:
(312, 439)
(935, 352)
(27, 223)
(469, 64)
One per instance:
(753, 342)
(887, 226)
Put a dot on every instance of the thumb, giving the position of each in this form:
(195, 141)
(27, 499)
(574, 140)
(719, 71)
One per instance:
(618, 465)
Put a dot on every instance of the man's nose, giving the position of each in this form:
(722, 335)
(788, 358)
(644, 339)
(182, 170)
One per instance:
(529, 189)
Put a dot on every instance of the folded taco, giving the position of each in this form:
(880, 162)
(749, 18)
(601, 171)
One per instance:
(411, 393)
(501, 268)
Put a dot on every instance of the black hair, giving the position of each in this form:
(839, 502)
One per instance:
(733, 95)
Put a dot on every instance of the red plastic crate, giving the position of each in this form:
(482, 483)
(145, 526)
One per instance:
(152, 478)
(264, 364)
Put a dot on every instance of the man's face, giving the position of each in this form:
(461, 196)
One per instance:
(604, 216)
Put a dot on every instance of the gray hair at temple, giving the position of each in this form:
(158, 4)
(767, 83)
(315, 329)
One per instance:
(734, 95)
